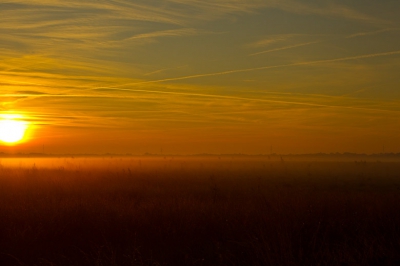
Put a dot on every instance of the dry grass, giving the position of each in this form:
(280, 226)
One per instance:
(137, 211)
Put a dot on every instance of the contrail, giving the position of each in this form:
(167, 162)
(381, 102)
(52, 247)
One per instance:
(215, 96)
(250, 99)
(266, 67)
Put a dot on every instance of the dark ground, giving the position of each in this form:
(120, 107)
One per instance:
(200, 212)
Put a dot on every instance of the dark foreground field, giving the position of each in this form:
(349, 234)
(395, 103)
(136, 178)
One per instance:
(176, 211)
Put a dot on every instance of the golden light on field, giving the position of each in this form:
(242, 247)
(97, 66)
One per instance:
(12, 129)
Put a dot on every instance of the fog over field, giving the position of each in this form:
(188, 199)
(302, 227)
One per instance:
(198, 211)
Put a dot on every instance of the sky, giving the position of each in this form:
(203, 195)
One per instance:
(202, 76)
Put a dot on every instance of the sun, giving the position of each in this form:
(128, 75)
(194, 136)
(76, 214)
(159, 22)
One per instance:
(12, 129)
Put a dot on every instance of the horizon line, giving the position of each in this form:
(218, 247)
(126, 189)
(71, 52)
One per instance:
(108, 154)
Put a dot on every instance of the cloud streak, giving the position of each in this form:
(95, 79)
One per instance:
(366, 56)
(284, 48)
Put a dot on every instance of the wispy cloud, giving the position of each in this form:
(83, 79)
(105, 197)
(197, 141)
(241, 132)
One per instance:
(163, 70)
(284, 48)
(164, 33)
(290, 37)
(294, 6)
(329, 9)
(369, 33)
(277, 38)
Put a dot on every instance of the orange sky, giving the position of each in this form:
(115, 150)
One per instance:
(183, 77)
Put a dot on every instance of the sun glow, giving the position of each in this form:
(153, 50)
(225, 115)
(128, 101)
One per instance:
(12, 129)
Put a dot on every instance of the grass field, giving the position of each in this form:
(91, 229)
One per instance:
(198, 211)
